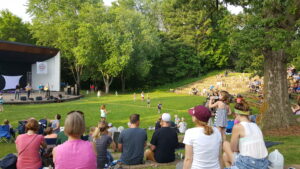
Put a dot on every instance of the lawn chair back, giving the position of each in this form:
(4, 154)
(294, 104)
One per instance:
(21, 127)
(50, 141)
(4, 133)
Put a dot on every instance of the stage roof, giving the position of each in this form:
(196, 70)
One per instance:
(26, 53)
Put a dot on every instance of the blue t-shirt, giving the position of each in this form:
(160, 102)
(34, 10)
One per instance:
(133, 141)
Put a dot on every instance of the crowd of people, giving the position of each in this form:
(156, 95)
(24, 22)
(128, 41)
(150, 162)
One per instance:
(294, 80)
(204, 143)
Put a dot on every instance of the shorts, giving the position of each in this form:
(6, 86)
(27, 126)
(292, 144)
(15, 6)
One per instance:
(245, 162)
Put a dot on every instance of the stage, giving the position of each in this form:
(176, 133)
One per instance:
(38, 98)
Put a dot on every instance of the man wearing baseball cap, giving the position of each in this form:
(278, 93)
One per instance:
(203, 142)
(163, 142)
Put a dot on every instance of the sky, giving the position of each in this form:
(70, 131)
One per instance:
(18, 7)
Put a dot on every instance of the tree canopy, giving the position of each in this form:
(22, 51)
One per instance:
(12, 28)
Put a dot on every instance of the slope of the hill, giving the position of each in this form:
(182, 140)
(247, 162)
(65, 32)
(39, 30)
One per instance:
(234, 83)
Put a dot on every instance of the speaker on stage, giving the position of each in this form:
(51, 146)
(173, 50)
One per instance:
(38, 98)
(23, 98)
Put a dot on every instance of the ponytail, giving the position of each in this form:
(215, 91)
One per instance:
(208, 130)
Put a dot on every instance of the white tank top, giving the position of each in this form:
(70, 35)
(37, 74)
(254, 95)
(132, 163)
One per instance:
(252, 145)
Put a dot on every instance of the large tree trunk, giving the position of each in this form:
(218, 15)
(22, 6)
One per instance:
(78, 79)
(77, 71)
(276, 111)
(107, 81)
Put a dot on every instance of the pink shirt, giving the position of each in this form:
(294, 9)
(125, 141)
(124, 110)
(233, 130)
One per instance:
(75, 154)
(30, 158)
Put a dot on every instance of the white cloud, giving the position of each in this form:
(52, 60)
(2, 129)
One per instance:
(108, 2)
(234, 9)
(17, 7)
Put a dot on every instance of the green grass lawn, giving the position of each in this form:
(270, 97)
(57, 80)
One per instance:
(120, 107)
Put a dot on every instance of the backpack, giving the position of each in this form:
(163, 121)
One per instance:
(9, 162)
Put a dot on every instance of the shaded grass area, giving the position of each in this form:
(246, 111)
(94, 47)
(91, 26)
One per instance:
(120, 107)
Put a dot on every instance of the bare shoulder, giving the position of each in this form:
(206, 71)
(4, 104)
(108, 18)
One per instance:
(237, 127)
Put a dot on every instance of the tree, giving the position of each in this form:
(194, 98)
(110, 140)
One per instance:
(56, 24)
(193, 43)
(273, 28)
(108, 44)
(13, 29)
(145, 39)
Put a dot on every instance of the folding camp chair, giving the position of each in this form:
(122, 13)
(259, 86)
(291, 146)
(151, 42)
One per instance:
(21, 126)
(50, 141)
(85, 138)
(47, 156)
(4, 133)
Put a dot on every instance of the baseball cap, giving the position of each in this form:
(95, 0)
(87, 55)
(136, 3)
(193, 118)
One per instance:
(166, 117)
(109, 124)
(200, 112)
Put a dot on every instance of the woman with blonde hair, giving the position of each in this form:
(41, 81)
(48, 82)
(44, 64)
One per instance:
(202, 143)
(74, 153)
(223, 110)
(101, 141)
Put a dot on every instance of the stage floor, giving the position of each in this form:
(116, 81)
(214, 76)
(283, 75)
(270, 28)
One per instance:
(9, 98)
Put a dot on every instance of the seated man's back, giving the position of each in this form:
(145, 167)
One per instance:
(133, 142)
(165, 141)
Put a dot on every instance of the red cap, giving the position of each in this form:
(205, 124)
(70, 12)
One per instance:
(200, 112)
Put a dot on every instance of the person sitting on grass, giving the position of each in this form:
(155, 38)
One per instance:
(49, 133)
(247, 149)
(101, 141)
(28, 146)
(92, 130)
(163, 142)
(182, 126)
(75, 153)
(202, 143)
(132, 142)
(55, 124)
(296, 108)
(157, 124)
(11, 129)
(111, 129)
